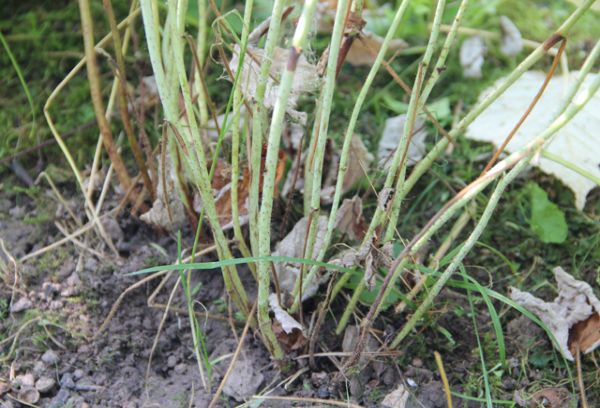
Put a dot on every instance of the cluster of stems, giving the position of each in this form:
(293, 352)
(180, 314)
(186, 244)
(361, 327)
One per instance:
(166, 48)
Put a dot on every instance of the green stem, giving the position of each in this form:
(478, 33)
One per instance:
(193, 152)
(268, 188)
(343, 165)
(235, 137)
(259, 120)
(531, 59)
(320, 131)
(522, 158)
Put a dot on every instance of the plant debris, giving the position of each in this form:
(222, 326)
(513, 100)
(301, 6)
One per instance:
(288, 323)
(349, 219)
(512, 41)
(392, 133)
(573, 316)
(293, 245)
(167, 210)
(397, 398)
(472, 53)
(577, 143)
(306, 79)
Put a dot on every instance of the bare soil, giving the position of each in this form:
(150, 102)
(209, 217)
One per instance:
(71, 291)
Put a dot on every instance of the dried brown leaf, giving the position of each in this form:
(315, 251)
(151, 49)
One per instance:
(573, 316)
(349, 219)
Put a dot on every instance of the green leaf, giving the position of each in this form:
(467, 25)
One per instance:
(367, 297)
(440, 109)
(547, 220)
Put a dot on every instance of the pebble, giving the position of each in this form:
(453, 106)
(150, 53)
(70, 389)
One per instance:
(21, 305)
(83, 349)
(66, 381)
(78, 374)
(323, 391)
(17, 212)
(60, 399)
(45, 384)
(25, 380)
(73, 285)
(29, 395)
(38, 368)
(55, 305)
(172, 361)
(180, 368)
(417, 362)
(6, 404)
(4, 388)
(50, 357)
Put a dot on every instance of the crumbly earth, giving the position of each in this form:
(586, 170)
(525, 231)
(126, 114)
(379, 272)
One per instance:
(67, 292)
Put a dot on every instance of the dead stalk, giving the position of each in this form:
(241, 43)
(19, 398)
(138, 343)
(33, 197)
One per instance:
(96, 93)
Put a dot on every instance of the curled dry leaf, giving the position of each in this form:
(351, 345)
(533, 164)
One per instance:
(472, 52)
(293, 245)
(394, 128)
(221, 185)
(287, 322)
(305, 80)
(578, 142)
(366, 44)
(349, 219)
(573, 316)
(367, 256)
(359, 160)
(167, 210)
(553, 397)
(512, 41)
(397, 398)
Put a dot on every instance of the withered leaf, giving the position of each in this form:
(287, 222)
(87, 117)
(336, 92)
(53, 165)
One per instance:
(349, 219)
(573, 316)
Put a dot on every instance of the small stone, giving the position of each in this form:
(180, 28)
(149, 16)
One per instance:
(319, 378)
(45, 384)
(50, 357)
(78, 374)
(147, 323)
(172, 361)
(55, 305)
(66, 381)
(323, 392)
(83, 349)
(4, 388)
(66, 269)
(509, 384)
(51, 289)
(90, 264)
(29, 395)
(21, 305)
(25, 380)
(38, 368)
(60, 399)
(180, 368)
(417, 362)
(17, 212)
(6, 404)
(73, 285)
